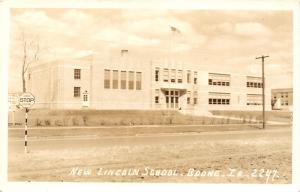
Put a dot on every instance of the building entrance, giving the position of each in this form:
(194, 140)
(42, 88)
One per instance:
(172, 99)
(85, 99)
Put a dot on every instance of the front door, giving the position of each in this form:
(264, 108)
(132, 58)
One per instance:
(85, 99)
(172, 99)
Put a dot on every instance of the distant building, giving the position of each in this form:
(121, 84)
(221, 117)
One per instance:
(282, 99)
(124, 82)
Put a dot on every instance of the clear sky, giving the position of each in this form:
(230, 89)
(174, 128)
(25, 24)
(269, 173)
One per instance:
(213, 39)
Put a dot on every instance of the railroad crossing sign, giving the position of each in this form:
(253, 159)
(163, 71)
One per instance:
(26, 100)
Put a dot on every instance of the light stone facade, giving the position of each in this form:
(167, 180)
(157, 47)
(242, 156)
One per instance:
(128, 83)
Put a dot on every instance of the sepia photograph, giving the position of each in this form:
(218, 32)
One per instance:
(150, 95)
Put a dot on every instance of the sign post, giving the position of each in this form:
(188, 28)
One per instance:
(26, 101)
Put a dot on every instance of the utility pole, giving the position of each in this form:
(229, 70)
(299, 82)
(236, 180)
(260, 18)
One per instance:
(263, 87)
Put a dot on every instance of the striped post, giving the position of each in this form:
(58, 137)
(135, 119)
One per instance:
(25, 136)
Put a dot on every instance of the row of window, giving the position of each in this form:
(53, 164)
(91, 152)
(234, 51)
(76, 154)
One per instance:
(254, 99)
(175, 76)
(215, 101)
(282, 95)
(122, 79)
(217, 98)
(218, 79)
(255, 84)
(172, 76)
(219, 83)
(214, 98)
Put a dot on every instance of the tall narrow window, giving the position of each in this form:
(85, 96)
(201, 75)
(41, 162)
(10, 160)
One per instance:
(76, 91)
(195, 77)
(138, 81)
(115, 79)
(179, 76)
(131, 80)
(123, 79)
(157, 74)
(77, 73)
(173, 75)
(188, 77)
(166, 75)
(106, 78)
(188, 97)
(156, 96)
(195, 97)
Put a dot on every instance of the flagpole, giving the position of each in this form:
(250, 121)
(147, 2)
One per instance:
(169, 79)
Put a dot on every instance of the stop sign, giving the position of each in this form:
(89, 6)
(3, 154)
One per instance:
(26, 100)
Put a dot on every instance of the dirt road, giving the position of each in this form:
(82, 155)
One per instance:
(263, 156)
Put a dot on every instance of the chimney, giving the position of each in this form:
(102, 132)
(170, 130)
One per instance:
(124, 52)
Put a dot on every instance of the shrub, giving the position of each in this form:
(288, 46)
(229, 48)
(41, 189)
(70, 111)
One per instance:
(47, 122)
(38, 122)
(67, 121)
(59, 122)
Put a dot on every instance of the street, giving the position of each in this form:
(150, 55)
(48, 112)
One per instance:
(52, 157)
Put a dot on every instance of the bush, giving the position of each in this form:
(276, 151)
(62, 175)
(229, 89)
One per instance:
(38, 122)
(68, 121)
(47, 122)
(59, 122)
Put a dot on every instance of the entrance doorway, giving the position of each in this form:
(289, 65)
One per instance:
(85, 99)
(172, 99)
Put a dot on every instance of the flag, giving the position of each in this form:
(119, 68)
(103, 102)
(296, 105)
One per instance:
(174, 29)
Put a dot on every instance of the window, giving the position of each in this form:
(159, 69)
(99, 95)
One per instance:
(166, 75)
(195, 77)
(195, 97)
(115, 79)
(179, 76)
(167, 97)
(138, 81)
(219, 79)
(77, 73)
(188, 77)
(173, 75)
(106, 79)
(131, 80)
(76, 91)
(217, 98)
(255, 82)
(254, 99)
(123, 79)
(188, 97)
(214, 101)
(157, 74)
(156, 96)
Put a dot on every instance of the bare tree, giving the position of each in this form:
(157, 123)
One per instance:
(31, 54)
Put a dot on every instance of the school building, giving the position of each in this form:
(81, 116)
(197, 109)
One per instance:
(282, 99)
(125, 82)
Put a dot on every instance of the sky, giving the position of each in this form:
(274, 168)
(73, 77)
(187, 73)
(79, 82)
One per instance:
(213, 39)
